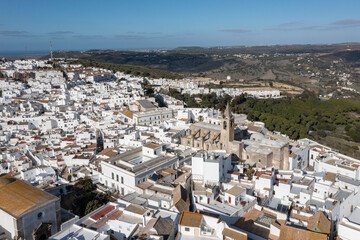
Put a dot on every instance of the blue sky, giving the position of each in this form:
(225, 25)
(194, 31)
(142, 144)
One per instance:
(139, 24)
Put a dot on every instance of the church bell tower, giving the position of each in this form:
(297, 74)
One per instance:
(227, 126)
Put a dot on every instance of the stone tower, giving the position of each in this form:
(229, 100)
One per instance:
(227, 127)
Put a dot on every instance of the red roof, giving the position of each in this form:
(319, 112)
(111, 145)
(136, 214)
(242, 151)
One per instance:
(115, 215)
(233, 172)
(69, 139)
(109, 152)
(282, 179)
(92, 145)
(102, 212)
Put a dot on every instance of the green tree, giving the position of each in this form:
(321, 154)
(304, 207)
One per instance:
(88, 185)
(92, 205)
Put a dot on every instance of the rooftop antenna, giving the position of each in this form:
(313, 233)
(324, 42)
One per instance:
(51, 55)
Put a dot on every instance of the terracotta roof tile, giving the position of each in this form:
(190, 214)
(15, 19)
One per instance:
(191, 219)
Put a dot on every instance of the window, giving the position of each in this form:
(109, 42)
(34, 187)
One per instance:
(259, 160)
(117, 177)
(40, 214)
(312, 156)
(187, 229)
(122, 179)
(112, 175)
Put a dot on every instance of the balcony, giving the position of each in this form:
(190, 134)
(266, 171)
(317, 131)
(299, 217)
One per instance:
(206, 231)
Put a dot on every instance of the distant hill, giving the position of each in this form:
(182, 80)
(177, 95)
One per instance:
(130, 69)
(241, 62)
(349, 56)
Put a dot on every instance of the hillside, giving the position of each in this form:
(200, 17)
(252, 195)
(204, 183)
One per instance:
(319, 68)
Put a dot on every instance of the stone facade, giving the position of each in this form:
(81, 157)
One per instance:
(255, 149)
(214, 137)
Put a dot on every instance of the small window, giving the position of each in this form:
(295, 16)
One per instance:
(40, 214)
(122, 179)
(187, 229)
(112, 175)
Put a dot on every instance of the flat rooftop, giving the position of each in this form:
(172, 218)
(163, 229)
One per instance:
(208, 126)
(135, 161)
(224, 208)
(77, 232)
(345, 162)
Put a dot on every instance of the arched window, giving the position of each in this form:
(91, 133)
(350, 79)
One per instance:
(224, 124)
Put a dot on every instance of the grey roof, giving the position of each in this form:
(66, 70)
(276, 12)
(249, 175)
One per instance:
(317, 203)
(265, 219)
(255, 149)
(164, 226)
(296, 190)
(330, 204)
(208, 126)
(341, 195)
(349, 180)
(146, 104)
(129, 197)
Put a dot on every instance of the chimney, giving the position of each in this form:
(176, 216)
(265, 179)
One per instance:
(144, 221)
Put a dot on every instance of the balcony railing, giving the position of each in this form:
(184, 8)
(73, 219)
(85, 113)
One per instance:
(206, 231)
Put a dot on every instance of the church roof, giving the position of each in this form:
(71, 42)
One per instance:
(208, 126)
(18, 198)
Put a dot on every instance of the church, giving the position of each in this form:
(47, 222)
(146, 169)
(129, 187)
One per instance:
(254, 148)
(214, 137)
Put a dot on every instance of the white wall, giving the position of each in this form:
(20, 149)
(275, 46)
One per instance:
(7, 223)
